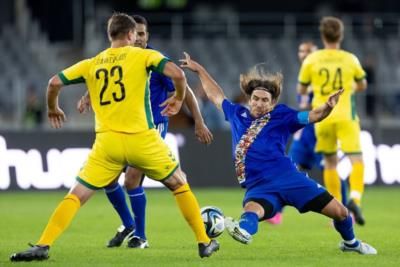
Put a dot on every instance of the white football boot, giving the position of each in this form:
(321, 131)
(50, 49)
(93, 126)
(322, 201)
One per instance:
(239, 234)
(362, 248)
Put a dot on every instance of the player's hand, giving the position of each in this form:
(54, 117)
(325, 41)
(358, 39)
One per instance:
(56, 117)
(83, 104)
(203, 134)
(334, 98)
(189, 63)
(172, 106)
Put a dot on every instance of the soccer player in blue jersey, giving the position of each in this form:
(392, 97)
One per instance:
(259, 138)
(161, 86)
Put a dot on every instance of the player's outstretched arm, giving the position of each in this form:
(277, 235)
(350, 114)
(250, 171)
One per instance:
(213, 91)
(174, 103)
(177, 76)
(55, 114)
(320, 113)
(201, 131)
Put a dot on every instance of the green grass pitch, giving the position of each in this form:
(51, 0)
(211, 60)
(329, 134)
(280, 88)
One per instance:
(302, 240)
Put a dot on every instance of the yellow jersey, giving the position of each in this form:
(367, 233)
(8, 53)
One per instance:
(327, 71)
(118, 83)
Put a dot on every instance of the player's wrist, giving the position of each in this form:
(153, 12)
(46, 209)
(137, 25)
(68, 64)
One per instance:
(328, 106)
(199, 124)
(52, 107)
(179, 96)
(196, 67)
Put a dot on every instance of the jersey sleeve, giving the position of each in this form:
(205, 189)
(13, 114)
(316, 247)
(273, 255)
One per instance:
(296, 119)
(76, 73)
(359, 74)
(305, 73)
(229, 109)
(156, 61)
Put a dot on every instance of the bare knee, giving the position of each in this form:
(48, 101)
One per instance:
(252, 206)
(335, 210)
(356, 158)
(176, 180)
(342, 213)
(133, 178)
(82, 192)
(330, 161)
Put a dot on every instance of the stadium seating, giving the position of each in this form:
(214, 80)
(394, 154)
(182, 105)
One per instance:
(28, 58)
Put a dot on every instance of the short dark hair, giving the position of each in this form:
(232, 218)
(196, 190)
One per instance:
(119, 24)
(308, 42)
(331, 29)
(258, 78)
(141, 20)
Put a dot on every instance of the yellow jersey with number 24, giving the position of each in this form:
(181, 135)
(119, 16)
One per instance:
(328, 70)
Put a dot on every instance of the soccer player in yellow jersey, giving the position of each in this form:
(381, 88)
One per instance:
(328, 70)
(117, 80)
(134, 229)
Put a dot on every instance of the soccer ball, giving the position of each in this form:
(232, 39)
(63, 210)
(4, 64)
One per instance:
(213, 219)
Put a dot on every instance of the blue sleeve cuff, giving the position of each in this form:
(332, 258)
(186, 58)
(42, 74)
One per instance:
(302, 116)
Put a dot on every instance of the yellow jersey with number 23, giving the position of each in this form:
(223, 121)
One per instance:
(118, 83)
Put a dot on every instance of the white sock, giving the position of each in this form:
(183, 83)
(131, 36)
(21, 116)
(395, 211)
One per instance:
(351, 243)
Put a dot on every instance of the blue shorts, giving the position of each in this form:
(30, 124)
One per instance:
(302, 149)
(296, 190)
(162, 128)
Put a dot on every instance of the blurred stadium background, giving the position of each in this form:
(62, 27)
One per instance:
(40, 37)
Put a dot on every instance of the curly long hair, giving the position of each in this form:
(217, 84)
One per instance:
(258, 78)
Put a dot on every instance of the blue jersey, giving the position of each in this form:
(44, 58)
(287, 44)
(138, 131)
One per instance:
(259, 144)
(160, 86)
(302, 148)
(305, 100)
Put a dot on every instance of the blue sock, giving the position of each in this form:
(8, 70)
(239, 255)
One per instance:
(116, 196)
(343, 186)
(138, 203)
(345, 228)
(249, 222)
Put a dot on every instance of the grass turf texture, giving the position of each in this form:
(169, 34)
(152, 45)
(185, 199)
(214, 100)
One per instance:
(302, 240)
